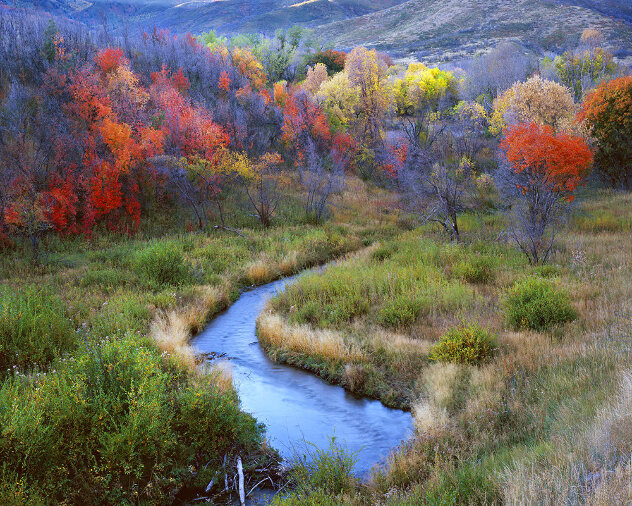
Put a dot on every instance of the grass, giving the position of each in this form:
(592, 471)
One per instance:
(104, 397)
(542, 420)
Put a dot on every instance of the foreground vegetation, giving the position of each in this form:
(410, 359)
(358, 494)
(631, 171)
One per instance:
(102, 399)
(517, 375)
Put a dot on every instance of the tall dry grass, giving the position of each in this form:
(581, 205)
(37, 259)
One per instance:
(278, 335)
(173, 329)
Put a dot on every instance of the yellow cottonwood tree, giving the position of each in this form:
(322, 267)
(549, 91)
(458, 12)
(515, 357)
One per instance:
(367, 73)
(422, 87)
(538, 101)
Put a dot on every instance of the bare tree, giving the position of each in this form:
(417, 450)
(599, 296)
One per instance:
(263, 187)
(536, 212)
(492, 73)
(438, 176)
(321, 182)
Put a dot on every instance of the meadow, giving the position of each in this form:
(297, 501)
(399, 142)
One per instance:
(102, 397)
(517, 375)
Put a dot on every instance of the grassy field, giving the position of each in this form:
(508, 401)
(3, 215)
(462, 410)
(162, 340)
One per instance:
(517, 375)
(101, 397)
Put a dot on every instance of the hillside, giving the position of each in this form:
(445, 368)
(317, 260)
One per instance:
(443, 30)
(436, 30)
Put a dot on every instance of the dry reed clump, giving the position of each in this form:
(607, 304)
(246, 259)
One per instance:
(171, 333)
(274, 332)
(289, 263)
(172, 330)
(354, 376)
(441, 384)
(222, 374)
(207, 301)
(429, 417)
(259, 271)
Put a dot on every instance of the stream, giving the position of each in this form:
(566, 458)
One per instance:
(298, 408)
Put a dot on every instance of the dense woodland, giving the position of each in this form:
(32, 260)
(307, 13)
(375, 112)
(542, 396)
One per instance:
(146, 179)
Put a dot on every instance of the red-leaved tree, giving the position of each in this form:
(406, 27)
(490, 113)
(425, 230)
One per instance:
(542, 173)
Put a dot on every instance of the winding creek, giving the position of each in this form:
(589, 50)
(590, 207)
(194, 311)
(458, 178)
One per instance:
(296, 406)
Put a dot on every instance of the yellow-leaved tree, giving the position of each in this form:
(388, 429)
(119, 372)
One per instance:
(366, 72)
(422, 87)
(539, 101)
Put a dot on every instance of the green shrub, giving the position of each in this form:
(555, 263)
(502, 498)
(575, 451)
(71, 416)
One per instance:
(468, 344)
(384, 251)
(325, 470)
(120, 423)
(537, 304)
(34, 328)
(400, 312)
(162, 264)
(475, 270)
(105, 278)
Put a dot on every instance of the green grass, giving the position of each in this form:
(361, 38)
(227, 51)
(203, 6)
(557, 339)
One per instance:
(34, 329)
(118, 423)
(517, 404)
(537, 304)
(90, 408)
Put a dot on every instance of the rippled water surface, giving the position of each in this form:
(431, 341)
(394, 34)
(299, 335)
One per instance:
(295, 405)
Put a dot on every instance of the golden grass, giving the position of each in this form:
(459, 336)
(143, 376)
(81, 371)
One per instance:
(275, 332)
(259, 271)
(569, 455)
(172, 330)
(589, 462)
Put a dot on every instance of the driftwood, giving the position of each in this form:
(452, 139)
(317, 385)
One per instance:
(228, 229)
(240, 471)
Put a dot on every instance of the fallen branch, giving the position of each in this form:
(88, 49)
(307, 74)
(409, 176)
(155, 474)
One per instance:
(240, 471)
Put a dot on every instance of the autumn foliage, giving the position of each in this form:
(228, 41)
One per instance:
(608, 112)
(558, 162)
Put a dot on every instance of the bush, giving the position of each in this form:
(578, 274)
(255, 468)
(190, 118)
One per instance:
(476, 270)
(162, 264)
(34, 328)
(105, 278)
(400, 312)
(468, 344)
(325, 470)
(119, 424)
(384, 251)
(537, 304)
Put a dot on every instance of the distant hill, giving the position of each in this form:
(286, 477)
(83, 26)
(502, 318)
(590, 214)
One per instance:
(433, 30)
(440, 30)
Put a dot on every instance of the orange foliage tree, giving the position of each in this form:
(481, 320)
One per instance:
(608, 112)
(544, 170)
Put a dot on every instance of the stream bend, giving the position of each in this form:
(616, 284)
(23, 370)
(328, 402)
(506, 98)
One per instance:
(296, 406)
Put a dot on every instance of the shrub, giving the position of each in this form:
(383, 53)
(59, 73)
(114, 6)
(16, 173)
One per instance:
(120, 423)
(384, 251)
(400, 312)
(537, 304)
(326, 470)
(34, 328)
(475, 270)
(105, 278)
(468, 344)
(162, 264)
